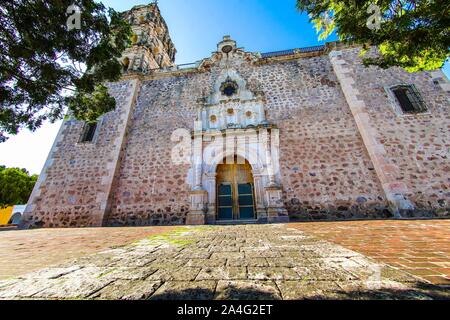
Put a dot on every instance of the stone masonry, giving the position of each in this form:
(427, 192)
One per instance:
(151, 46)
(331, 140)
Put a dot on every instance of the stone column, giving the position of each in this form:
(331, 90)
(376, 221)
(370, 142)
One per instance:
(265, 139)
(113, 166)
(275, 152)
(210, 186)
(199, 196)
(197, 156)
(261, 213)
(197, 214)
(387, 172)
(276, 211)
(275, 206)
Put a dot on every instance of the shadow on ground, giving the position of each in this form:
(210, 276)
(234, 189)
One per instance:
(206, 294)
(420, 291)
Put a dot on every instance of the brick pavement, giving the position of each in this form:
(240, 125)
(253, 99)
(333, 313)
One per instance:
(420, 247)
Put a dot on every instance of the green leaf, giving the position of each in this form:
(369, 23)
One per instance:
(16, 186)
(41, 62)
(414, 36)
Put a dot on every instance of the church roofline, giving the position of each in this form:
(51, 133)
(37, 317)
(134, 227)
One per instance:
(292, 51)
(262, 58)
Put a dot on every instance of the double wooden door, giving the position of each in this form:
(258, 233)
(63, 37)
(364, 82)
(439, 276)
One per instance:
(235, 192)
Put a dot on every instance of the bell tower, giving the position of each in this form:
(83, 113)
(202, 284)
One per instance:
(151, 46)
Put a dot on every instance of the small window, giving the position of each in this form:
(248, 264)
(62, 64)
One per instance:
(229, 91)
(89, 132)
(409, 99)
(229, 88)
(227, 49)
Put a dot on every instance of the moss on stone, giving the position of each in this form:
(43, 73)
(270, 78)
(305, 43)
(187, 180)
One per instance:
(179, 237)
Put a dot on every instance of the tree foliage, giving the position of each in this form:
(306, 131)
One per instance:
(413, 34)
(46, 68)
(16, 186)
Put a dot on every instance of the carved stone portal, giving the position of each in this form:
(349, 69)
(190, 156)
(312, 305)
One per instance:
(232, 129)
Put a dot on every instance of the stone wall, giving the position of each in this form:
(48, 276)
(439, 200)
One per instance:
(417, 145)
(152, 47)
(325, 169)
(345, 151)
(75, 184)
(151, 189)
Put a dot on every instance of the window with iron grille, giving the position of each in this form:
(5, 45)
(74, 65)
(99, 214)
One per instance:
(409, 99)
(89, 132)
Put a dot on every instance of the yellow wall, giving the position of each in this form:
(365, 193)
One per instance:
(5, 215)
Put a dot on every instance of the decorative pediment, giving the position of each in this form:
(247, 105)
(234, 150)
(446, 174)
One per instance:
(228, 54)
(231, 104)
(231, 86)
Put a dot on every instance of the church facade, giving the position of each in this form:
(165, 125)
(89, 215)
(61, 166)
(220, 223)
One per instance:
(308, 133)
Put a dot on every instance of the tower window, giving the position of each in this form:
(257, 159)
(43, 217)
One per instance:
(89, 132)
(409, 99)
(126, 64)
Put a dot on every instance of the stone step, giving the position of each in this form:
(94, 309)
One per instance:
(8, 227)
(236, 222)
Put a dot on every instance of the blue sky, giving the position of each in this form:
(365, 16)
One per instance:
(196, 26)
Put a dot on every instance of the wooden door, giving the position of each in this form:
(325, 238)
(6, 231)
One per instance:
(235, 192)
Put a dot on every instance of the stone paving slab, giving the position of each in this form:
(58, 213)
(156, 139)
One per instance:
(419, 247)
(247, 290)
(186, 290)
(295, 290)
(217, 262)
(128, 290)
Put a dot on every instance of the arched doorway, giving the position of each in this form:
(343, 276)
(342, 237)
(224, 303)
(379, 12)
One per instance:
(15, 219)
(235, 191)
